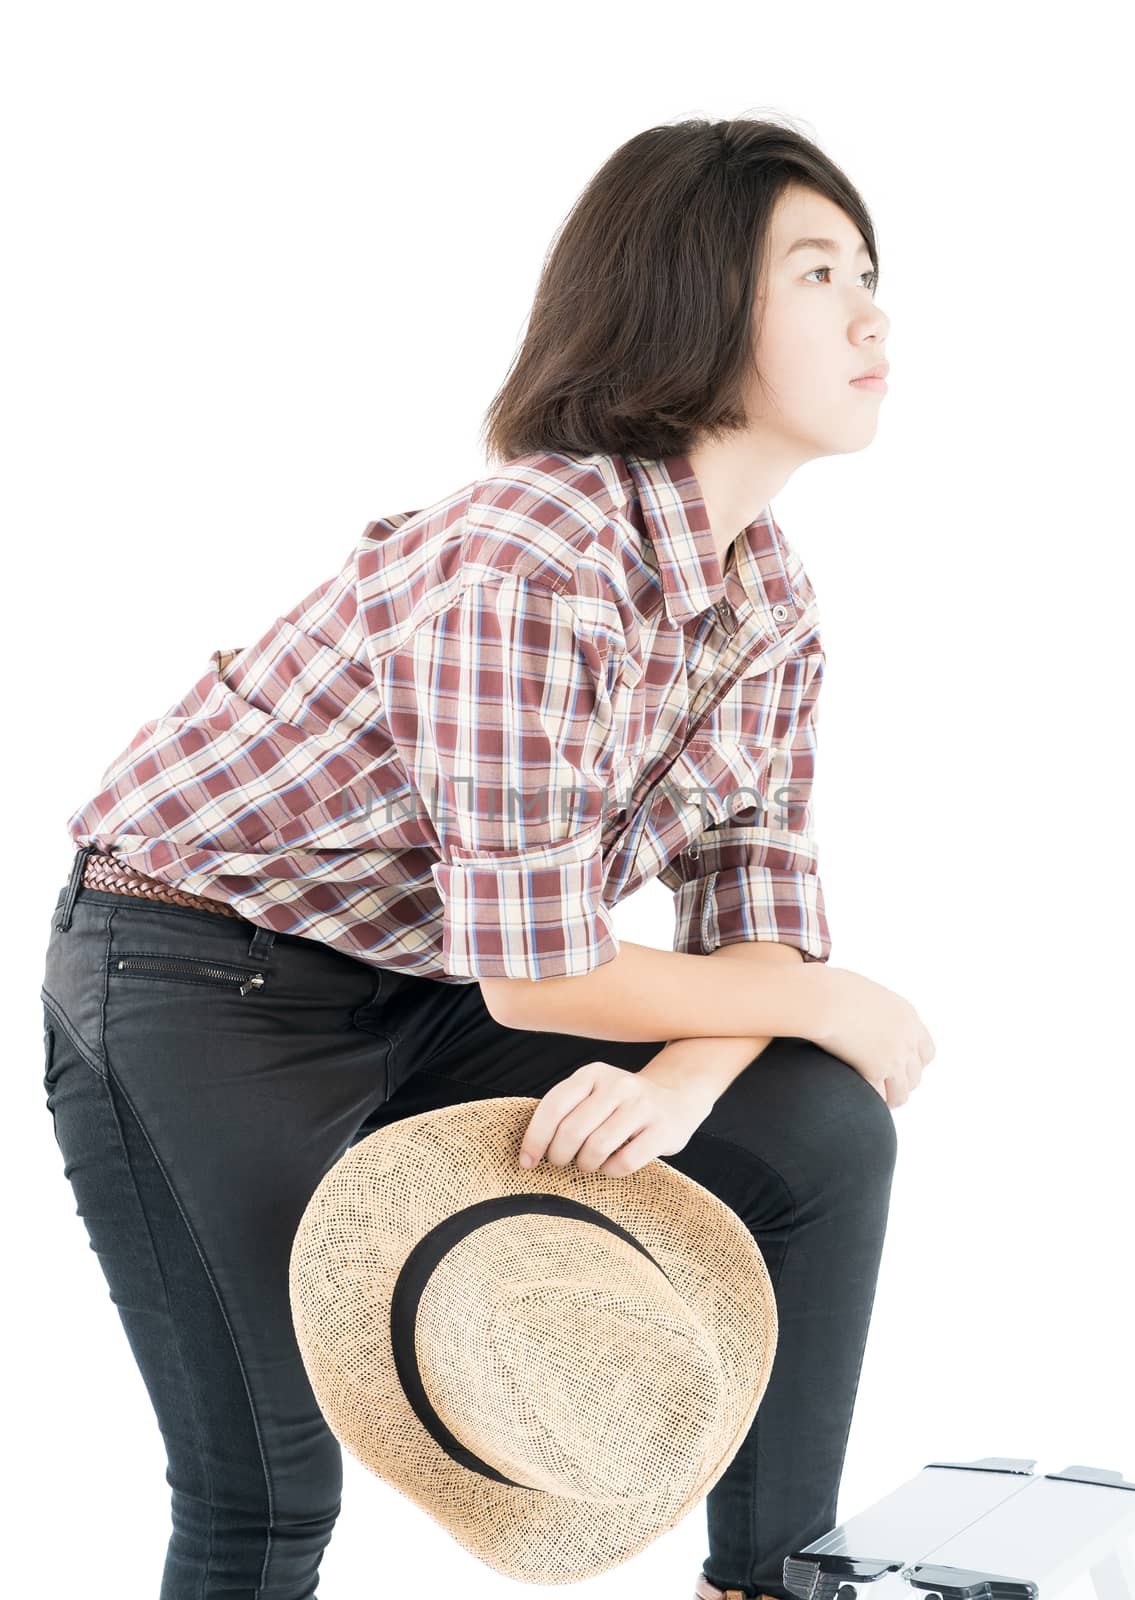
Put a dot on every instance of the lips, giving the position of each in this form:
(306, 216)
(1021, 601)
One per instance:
(880, 370)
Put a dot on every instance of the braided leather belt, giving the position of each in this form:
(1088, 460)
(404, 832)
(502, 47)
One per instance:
(104, 872)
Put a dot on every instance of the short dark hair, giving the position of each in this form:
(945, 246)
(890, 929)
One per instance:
(640, 333)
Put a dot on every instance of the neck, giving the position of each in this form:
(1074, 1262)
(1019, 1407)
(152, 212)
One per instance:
(738, 476)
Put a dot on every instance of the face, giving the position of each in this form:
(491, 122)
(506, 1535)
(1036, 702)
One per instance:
(817, 328)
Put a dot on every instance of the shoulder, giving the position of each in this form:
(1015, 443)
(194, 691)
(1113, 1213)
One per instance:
(544, 517)
(541, 525)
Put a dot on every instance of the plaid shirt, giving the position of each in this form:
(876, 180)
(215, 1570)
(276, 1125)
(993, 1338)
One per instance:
(501, 717)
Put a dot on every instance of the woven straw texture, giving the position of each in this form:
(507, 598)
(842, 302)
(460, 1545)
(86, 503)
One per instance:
(615, 1389)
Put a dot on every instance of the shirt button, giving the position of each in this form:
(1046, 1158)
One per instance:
(725, 612)
(780, 612)
(694, 852)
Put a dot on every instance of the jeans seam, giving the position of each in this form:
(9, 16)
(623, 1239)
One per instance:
(118, 1086)
(863, 1346)
(748, 1156)
(61, 1017)
(393, 1040)
(105, 996)
(755, 1499)
(165, 1284)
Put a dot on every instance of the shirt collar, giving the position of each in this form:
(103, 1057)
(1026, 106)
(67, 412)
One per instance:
(688, 565)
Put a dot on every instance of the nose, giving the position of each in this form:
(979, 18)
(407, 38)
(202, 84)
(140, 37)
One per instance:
(875, 324)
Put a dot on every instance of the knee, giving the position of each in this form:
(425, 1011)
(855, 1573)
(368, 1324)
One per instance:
(873, 1129)
(307, 1487)
(850, 1128)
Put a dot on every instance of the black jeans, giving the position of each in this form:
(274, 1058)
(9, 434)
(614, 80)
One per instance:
(196, 1114)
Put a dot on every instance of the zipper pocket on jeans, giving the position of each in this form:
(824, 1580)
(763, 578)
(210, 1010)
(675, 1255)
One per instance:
(186, 967)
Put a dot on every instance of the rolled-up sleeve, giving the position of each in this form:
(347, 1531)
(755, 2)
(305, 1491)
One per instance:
(759, 880)
(535, 913)
(500, 710)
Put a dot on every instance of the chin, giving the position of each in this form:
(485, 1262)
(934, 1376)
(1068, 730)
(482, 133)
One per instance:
(860, 436)
(845, 444)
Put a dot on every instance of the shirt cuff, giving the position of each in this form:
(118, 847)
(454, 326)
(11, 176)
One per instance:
(740, 904)
(534, 913)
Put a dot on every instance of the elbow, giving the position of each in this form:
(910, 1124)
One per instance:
(507, 1000)
(537, 1004)
(555, 1004)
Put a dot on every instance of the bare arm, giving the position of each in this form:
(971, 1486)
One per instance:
(750, 950)
(646, 994)
(708, 1065)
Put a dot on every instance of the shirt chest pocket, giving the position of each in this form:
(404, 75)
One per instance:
(713, 783)
(716, 781)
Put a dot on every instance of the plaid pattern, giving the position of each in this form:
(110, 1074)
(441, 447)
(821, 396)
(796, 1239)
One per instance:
(503, 715)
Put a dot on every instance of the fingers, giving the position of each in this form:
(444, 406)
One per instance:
(555, 1105)
(584, 1124)
(560, 1124)
(606, 1141)
(898, 1087)
(630, 1156)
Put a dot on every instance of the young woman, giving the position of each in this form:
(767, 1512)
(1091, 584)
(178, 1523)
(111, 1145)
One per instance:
(366, 866)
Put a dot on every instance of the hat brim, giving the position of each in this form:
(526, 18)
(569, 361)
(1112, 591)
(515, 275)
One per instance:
(351, 1245)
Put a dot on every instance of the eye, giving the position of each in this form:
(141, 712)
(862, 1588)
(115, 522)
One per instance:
(871, 275)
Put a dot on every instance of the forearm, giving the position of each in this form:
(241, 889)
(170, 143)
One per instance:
(646, 994)
(708, 1064)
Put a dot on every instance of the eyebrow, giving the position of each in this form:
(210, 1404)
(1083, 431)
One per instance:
(824, 244)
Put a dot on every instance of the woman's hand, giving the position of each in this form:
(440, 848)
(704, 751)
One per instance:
(874, 1030)
(612, 1121)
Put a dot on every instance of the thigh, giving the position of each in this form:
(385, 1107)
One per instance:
(195, 1123)
(450, 1048)
(803, 1148)
(808, 1117)
(203, 1369)
(797, 1127)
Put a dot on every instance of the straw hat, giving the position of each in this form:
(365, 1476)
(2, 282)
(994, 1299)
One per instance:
(556, 1365)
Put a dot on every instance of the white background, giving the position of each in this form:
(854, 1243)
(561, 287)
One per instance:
(265, 268)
